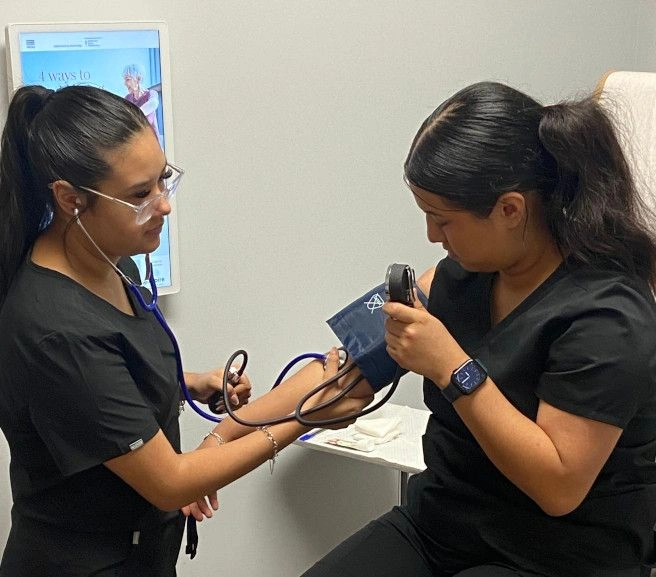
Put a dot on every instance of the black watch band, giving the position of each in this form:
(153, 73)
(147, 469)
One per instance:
(451, 392)
(465, 380)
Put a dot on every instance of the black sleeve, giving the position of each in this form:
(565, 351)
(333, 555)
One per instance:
(85, 403)
(602, 366)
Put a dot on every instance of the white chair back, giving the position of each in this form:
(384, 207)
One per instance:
(630, 99)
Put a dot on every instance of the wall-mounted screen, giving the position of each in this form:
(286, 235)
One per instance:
(130, 59)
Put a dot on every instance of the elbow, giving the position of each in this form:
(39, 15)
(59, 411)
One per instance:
(555, 505)
(167, 503)
(559, 493)
(166, 500)
(170, 493)
(172, 501)
(556, 510)
(179, 486)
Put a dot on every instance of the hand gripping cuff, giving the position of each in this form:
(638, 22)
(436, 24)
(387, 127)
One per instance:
(360, 327)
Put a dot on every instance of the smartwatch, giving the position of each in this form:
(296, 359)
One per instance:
(465, 380)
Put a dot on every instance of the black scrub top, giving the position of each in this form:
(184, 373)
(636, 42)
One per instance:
(81, 382)
(584, 342)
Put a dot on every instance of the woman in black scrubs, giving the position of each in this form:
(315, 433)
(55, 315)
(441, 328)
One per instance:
(538, 351)
(89, 398)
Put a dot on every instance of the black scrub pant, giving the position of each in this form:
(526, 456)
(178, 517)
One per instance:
(396, 546)
(391, 546)
(35, 549)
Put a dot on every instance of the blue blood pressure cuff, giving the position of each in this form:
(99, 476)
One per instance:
(360, 327)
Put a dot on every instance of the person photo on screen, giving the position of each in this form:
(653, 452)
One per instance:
(537, 347)
(89, 395)
(146, 99)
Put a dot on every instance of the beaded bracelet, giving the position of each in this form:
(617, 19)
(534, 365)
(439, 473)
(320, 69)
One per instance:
(218, 437)
(267, 432)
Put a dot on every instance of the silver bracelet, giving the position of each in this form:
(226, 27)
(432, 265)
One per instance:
(218, 437)
(267, 432)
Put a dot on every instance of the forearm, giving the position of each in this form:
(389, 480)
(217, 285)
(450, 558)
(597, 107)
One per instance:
(553, 459)
(170, 481)
(522, 450)
(204, 471)
(215, 465)
(276, 403)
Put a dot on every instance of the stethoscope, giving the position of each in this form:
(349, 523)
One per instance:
(231, 375)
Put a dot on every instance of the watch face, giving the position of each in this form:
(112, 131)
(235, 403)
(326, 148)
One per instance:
(469, 376)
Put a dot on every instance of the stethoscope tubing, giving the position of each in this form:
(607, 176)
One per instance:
(299, 414)
(153, 308)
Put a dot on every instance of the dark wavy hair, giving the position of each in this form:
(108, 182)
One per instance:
(50, 135)
(489, 139)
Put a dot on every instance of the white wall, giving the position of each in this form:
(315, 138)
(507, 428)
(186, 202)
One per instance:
(292, 119)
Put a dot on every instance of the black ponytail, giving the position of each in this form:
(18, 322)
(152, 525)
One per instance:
(595, 212)
(24, 209)
(489, 139)
(51, 135)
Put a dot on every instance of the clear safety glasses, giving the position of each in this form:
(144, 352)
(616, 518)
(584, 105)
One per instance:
(168, 186)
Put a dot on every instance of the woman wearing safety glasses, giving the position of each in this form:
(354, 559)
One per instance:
(89, 399)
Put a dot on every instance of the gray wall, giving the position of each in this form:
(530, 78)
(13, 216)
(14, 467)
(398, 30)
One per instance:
(292, 119)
